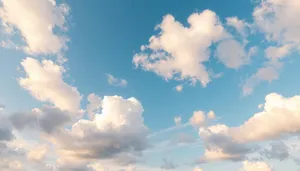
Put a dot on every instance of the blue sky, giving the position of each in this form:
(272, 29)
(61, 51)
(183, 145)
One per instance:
(136, 85)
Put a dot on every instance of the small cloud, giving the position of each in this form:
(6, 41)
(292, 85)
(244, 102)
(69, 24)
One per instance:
(179, 88)
(116, 81)
(177, 120)
(260, 106)
(211, 115)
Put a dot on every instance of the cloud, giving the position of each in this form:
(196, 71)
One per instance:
(177, 120)
(197, 169)
(120, 128)
(38, 153)
(2, 107)
(116, 81)
(45, 82)
(267, 73)
(179, 88)
(6, 131)
(211, 115)
(179, 52)
(240, 25)
(276, 53)
(199, 118)
(277, 150)
(47, 119)
(256, 166)
(280, 116)
(94, 105)
(168, 165)
(279, 20)
(219, 145)
(232, 54)
(45, 16)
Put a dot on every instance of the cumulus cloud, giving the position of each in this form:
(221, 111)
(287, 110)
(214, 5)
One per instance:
(219, 145)
(94, 105)
(45, 82)
(45, 16)
(199, 118)
(256, 166)
(116, 81)
(280, 116)
(120, 128)
(47, 119)
(179, 52)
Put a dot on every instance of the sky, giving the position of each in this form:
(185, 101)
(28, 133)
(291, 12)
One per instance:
(198, 85)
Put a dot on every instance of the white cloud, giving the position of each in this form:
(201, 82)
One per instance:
(211, 115)
(120, 128)
(198, 119)
(256, 166)
(116, 81)
(45, 82)
(278, 19)
(275, 53)
(240, 25)
(177, 120)
(36, 21)
(232, 54)
(94, 105)
(178, 52)
(280, 116)
(179, 88)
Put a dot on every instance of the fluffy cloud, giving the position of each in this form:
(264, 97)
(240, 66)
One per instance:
(279, 116)
(179, 88)
(46, 119)
(256, 166)
(199, 118)
(116, 81)
(94, 105)
(278, 19)
(45, 82)
(36, 21)
(219, 145)
(120, 128)
(232, 54)
(177, 120)
(179, 52)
